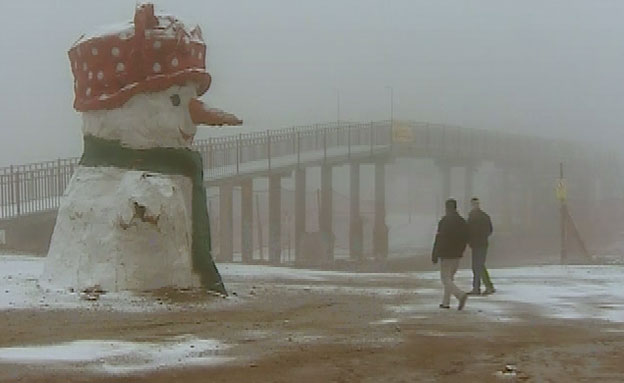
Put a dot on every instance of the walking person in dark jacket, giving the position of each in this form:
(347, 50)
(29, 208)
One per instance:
(450, 243)
(480, 227)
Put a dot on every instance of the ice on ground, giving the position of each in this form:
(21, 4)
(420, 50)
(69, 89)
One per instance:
(116, 357)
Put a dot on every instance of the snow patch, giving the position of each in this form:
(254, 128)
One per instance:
(117, 357)
(385, 321)
(566, 292)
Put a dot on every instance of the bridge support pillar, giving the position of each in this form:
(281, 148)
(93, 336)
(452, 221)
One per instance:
(247, 220)
(226, 244)
(275, 219)
(300, 209)
(355, 220)
(380, 231)
(326, 226)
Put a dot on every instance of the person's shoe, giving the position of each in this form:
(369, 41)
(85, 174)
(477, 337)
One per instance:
(444, 306)
(489, 291)
(462, 302)
(474, 292)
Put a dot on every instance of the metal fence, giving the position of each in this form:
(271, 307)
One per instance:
(32, 188)
(226, 156)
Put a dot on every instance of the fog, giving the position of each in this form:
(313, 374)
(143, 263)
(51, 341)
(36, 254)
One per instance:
(542, 67)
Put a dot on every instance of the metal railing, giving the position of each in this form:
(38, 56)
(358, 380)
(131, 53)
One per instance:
(229, 155)
(31, 188)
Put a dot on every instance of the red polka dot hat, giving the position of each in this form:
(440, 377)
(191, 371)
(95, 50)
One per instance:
(150, 54)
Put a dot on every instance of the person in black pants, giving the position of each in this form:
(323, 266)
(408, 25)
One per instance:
(480, 227)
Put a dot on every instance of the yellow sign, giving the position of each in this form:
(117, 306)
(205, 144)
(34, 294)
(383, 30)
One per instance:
(401, 133)
(561, 190)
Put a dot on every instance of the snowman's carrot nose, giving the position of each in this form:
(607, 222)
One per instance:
(200, 114)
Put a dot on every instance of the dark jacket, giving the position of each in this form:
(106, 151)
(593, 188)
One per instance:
(480, 226)
(451, 239)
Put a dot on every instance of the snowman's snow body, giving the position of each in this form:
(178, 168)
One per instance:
(98, 238)
(124, 229)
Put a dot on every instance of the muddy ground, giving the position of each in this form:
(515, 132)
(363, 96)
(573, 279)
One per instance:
(301, 326)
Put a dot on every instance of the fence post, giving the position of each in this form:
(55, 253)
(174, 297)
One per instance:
(59, 187)
(294, 138)
(240, 145)
(269, 148)
(11, 201)
(349, 141)
(371, 139)
(316, 140)
(17, 202)
(324, 144)
(298, 147)
(238, 153)
(210, 153)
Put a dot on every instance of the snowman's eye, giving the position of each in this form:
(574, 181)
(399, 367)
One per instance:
(175, 99)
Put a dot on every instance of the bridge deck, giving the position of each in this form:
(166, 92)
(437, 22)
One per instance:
(32, 188)
(288, 162)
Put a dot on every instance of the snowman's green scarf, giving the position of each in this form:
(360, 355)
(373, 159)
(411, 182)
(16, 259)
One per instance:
(170, 161)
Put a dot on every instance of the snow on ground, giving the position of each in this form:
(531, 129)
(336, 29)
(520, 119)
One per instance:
(241, 272)
(114, 357)
(557, 291)
(19, 278)
(571, 292)
(20, 287)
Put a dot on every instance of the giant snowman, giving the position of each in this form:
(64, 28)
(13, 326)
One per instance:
(134, 215)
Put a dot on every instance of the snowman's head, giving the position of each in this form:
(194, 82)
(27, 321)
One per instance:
(159, 119)
(139, 82)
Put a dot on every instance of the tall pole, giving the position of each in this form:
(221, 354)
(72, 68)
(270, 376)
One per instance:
(260, 237)
(391, 103)
(338, 106)
(561, 194)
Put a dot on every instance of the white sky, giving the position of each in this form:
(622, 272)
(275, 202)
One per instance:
(536, 66)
